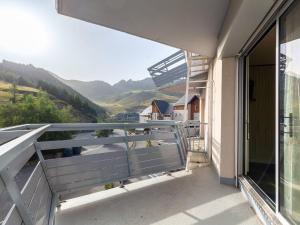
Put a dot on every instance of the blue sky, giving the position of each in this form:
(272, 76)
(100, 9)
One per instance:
(33, 33)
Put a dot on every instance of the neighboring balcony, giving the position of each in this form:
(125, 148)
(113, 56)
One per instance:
(54, 173)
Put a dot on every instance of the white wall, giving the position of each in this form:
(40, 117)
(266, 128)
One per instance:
(216, 113)
(178, 115)
(223, 118)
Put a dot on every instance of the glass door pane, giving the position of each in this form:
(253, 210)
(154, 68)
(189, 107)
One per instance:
(289, 113)
(261, 115)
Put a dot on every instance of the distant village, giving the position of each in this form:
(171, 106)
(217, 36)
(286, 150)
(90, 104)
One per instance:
(163, 110)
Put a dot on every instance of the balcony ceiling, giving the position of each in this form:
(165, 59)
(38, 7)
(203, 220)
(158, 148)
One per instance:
(192, 25)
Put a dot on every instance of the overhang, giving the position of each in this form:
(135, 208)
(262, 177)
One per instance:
(192, 25)
(207, 27)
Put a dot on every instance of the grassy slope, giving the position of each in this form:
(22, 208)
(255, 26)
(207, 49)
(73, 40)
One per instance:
(134, 101)
(21, 90)
(24, 90)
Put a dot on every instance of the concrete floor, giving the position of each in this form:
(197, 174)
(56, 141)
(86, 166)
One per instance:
(184, 198)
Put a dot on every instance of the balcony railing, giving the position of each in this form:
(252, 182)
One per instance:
(35, 175)
(196, 133)
(169, 70)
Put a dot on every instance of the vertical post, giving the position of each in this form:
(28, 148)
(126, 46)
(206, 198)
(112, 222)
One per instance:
(183, 138)
(179, 147)
(186, 116)
(210, 111)
(15, 194)
(54, 201)
(127, 150)
(189, 135)
(42, 160)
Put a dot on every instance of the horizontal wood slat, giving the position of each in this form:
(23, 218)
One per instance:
(153, 162)
(157, 149)
(156, 169)
(84, 167)
(91, 182)
(53, 163)
(48, 145)
(97, 174)
(104, 126)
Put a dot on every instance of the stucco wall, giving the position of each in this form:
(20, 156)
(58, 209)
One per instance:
(223, 118)
(228, 119)
(216, 112)
(178, 115)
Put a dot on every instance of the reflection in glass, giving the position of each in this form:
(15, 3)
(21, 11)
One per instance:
(289, 113)
(261, 115)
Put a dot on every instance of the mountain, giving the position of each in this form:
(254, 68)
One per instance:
(100, 90)
(30, 76)
(130, 85)
(94, 90)
(130, 95)
(134, 101)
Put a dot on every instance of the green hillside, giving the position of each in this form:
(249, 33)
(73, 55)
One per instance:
(23, 91)
(135, 101)
(32, 77)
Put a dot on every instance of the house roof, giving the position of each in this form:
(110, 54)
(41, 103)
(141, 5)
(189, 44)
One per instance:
(181, 101)
(146, 111)
(163, 106)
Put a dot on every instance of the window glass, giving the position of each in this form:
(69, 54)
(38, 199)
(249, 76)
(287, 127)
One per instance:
(289, 113)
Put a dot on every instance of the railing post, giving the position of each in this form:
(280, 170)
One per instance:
(181, 138)
(15, 194)
(189, 135)
(42, 160)
(127, 150)
(179, 147)
(184, 137)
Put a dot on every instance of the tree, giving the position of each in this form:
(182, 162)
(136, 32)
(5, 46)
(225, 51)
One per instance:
(13, 92)
(32, 109)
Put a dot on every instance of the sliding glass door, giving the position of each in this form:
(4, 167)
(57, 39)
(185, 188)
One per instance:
(289, 113)
(272, 114)
(261, 113)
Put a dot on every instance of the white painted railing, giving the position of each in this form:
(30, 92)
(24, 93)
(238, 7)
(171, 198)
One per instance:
(196, 135)
(32, 199)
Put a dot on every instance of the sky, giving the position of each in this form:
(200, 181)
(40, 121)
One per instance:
(32, 32)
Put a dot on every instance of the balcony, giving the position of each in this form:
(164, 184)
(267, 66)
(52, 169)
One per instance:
(183, 198)
(43, 183)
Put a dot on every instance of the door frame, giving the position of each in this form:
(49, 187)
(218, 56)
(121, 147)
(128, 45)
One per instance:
(246, 137)
(270, 19)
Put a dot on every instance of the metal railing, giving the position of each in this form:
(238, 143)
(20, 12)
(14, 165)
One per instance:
(195, 134)
(32, 200)
(169, 70)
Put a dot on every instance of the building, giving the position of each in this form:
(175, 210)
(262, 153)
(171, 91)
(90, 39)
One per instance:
(127, 117)
(194, 102)
(145, 115)
(245, 54)
(241, 40)
(158, 110)
(161, 110)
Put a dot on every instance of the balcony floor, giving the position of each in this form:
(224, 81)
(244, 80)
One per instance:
(184, 198)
